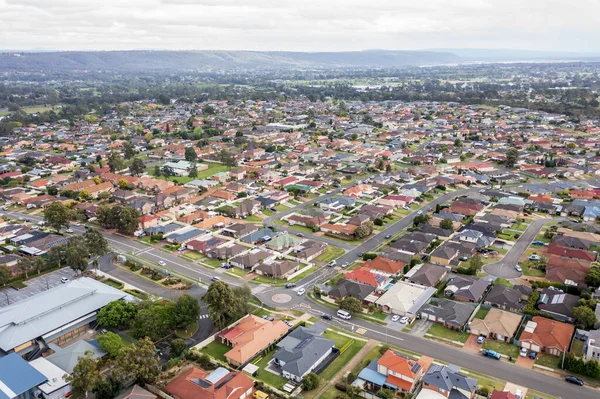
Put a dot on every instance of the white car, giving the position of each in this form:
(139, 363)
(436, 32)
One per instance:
(301, 291)
(534, 257)
(64, 280)
(419, 212)
(395, 317)
(69, 231)
(518, 268)
(162, 263)
(523, 352)
(404, 320)
(345, 264)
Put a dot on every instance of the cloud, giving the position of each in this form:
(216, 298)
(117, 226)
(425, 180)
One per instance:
(310, 25)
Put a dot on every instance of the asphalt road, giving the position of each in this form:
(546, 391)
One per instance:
(506, 266)
(499, 369)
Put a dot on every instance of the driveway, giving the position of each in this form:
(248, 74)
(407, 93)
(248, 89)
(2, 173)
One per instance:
(420, 327)
(525, 362)
(505, 268)
(471, 345)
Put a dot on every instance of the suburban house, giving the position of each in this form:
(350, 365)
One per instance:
(226, 251)
(384, 266)
(277, 269)
(302, 351)
(558, 304)
(497, 324)
(426, 274)
(405, 299)
(238, 230)
(390, 371)
(251, 259)
(345, 288)
(448, 383)
(365, 276)
(443, 255)
(450, 314)
(502, 395)
(249, 336)
(310, 249)
(592, 346)
(220, 383)
(511, 299)
(550, 336)
(466, 289)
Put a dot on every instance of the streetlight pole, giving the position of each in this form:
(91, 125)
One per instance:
(563, 359)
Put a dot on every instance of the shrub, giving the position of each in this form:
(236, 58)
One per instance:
(383, 349)
(177, 347)
(369, 256)
(310, 381)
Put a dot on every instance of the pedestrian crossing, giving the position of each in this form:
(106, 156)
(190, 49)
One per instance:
(204, 316)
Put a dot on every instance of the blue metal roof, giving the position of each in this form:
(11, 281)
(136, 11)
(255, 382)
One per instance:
(18, 376)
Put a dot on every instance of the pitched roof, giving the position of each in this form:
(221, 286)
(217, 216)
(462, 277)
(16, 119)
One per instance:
(219, 384)
(400, 364)
(384, 264)
(301, 349)
(498, 322)
(17, 376)
(445, 378)
(548, 333)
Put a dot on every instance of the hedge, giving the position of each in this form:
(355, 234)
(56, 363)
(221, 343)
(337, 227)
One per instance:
(346, 346)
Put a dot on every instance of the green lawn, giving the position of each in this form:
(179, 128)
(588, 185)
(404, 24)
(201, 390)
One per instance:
(236, 271)
(254, 219)
(519, 226)
(481, 313)
(340, 340)
(439, 331)
(540, 237)
(279, 222)
(212, 169)
(260, 312)
(267, 212)
(342, 360)
(577, 347)
(379, 315)
(330, 254)
(216, 350)
(548, 361)
(529, 269)
(281, 207)
(212, 262)
(193, 255)
(126, 338)
(187, 332)
(502, 347)
(269, 378)
(113, 283)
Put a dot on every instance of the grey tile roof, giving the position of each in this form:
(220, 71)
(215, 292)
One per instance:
(443, 377)
(301, 349)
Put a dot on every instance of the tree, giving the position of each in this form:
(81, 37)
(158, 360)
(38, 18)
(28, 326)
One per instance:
(4, 274)
(223, 305)
(128, 150)
(476, 263)
(512, 156)
(57, 256)
(364, 230)
(123, 184)
(153, 320)
(29, 263)
(52, 190)
(138, 362)
(388, 168)
(108, 388)
(77, 254)
(95, 242)
(386, 394)
(85, 195)
(115, 162)
(310, 381)
(592, 277)
(177, 347)
(85, 376)
(117, 314)
(227, 159)
(110, 343)
(57, 216)
(193, 172)
(123, 218)
(168, 171)
(421, 219)
(157, 171)
(351, 304)
(446, 224)
(190, 154)
(584, 317)
(137, 167)
(186, 312)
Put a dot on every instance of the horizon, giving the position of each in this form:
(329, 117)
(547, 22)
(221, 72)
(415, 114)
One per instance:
(313, 26)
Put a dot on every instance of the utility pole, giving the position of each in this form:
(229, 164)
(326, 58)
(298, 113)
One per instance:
(563, 359)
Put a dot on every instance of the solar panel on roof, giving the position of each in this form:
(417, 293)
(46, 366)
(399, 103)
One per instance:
(415, 367)
(225, 381)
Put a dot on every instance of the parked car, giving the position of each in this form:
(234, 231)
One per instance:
(404, 320)
(326, 316)
(480, 339)
(215, 278)
(290, 285)
(300, 234)
(574, 380)
(532, 355)
(395, 317)
(523, 352)
(518, 268)
(64, 280)
(463, 258)
(419, 212)
(345, 264)
(69, 231)
(332, 263)
(388, 236)
(301, 291)
(361, 254)
(534, 257)
(538, 243)
(162, 263)
(492, 354)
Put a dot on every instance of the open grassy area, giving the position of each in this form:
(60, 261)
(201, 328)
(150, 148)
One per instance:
(212, 169)
(439, 331)
(342, 360)
(212, 262)
(113, 283)
(187, 332)
(268, 212)
(279, 222)
(302, 229)
(281, 207)
(547, 360)
(502, 347)
(253, 219)
(577, 347)
(274, 380)
(519, 226)
(193, 255)
(481, 313)
(330, 254)
(236, 271)
(339, 340)
(529, 269)
(216, 350)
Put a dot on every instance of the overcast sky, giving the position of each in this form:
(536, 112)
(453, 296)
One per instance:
(301, 25)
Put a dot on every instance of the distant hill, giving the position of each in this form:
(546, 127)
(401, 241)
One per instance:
(468, 55)
(186, 60)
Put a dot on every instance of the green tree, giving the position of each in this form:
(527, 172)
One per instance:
(351, 304)
(4, 274)
(115, 162)
(178, 346)
(592, 277)
(186, 312)
(512, 156)
(386, 394)
(153, 319)
(28, 264)
(95, 242)
(138, 362)
(110, 343)
(52, 190)
(476, 263)
(223, 305)
(108, 388)
(310, 381)
(85, 376)
(57, 256)
(584, 317)
(57, 216)
(363, 231)
(227, 159)
(117, 314)
(193, 172)
(168, 171)
(446, 224)
(77, 254)
(157, 171)
(190, 154)
(128, 150)
(137, 167)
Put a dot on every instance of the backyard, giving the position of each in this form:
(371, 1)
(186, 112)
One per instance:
(216, 350)
(274, 380)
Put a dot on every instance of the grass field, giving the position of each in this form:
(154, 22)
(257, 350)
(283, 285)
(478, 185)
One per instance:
(330, 254)
(216, 350)
(439, 331)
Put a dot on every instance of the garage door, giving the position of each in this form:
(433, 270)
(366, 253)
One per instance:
(535, 348)
(432, 317)
(525, 345)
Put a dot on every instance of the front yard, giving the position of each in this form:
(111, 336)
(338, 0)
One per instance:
(547, 360)
(502, 347)
(330, 254)
(439, 331)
